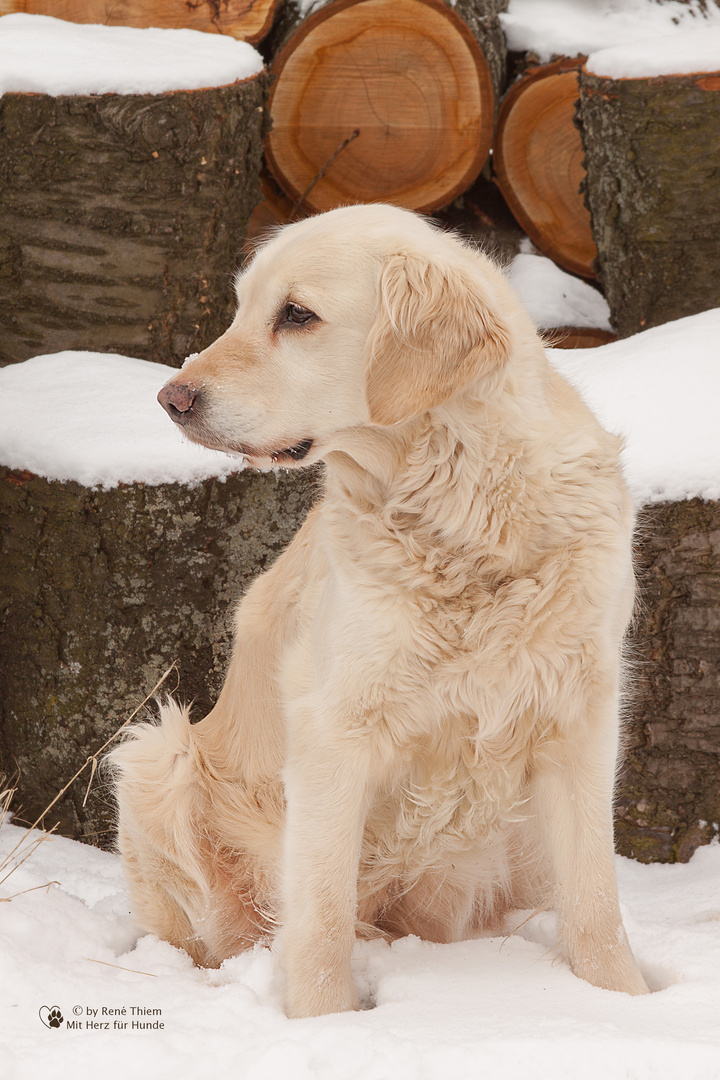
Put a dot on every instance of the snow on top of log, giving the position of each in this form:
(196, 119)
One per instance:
(660, 390)
(571, 27)
(93, 417)
(554, 298)
(43, 55)
(669, 54)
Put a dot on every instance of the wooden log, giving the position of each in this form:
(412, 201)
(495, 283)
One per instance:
(379, 101)
(100, 591)
(578, 337)
(275, 209)
(122, 217)
(481, 16)
(652, 161)
(538, 162)
(247, 20)
(668, 794)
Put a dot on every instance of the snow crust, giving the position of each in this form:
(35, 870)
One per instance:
(484, 1008)
(660, 390)
(570, 27)
(43, 55)
(93, 417)
(670, 54)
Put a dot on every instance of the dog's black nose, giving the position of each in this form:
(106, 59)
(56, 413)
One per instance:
(178, 399)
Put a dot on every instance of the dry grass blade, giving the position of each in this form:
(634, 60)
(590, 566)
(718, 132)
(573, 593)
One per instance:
(31, 845)
(519, 926)
(6, 797)
(28, 843)
(7, 899)
(121, 968)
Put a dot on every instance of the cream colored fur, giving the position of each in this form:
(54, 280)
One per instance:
(419, 726)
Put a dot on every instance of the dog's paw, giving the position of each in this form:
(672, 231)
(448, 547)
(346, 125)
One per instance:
(321, 999)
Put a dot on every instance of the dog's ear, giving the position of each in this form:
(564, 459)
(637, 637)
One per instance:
(436, 332)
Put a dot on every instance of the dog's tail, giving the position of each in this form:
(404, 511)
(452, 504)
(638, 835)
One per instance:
(158, 779)
(161, 801)
(187, 885)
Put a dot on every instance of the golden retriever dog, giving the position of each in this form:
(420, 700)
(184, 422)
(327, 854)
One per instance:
(419, 726)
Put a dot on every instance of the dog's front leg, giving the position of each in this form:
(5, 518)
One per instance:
(326, 786)
(573, 786)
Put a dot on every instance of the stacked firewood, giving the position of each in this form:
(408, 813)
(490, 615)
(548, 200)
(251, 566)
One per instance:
(408, 101)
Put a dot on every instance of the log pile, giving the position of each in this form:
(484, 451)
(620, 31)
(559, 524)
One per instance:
(399, 101)
(402, 101)
(129, 246)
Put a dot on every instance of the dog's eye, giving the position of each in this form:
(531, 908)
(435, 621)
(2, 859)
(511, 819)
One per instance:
(294, 314)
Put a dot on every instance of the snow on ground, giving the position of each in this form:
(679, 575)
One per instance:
(506, 1009)
(93, 417)
(42, 55)
(570, 27)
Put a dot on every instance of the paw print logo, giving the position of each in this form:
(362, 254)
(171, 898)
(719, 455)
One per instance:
(51, 1016)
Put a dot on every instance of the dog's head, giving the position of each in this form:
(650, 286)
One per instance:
(366, 315)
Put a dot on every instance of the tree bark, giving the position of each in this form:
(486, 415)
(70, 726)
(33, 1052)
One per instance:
(100, 591)
(122, 216)
(379, 100)
(651, 153)
(482, 18)
(668, 800)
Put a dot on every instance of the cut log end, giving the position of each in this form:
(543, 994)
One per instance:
(247, 20)
(380, 101)
(538, 159)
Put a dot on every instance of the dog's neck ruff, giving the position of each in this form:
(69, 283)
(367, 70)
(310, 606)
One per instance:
(421, 490)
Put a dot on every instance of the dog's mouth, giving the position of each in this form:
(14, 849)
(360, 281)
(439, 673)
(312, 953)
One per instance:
(292, 453)
(256, 457)
(261, 458)
(183, 403)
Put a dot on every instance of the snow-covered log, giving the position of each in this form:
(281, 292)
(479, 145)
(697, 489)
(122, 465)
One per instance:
(124, 549)
(123, 213)
(129, 556)
(652, 156)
